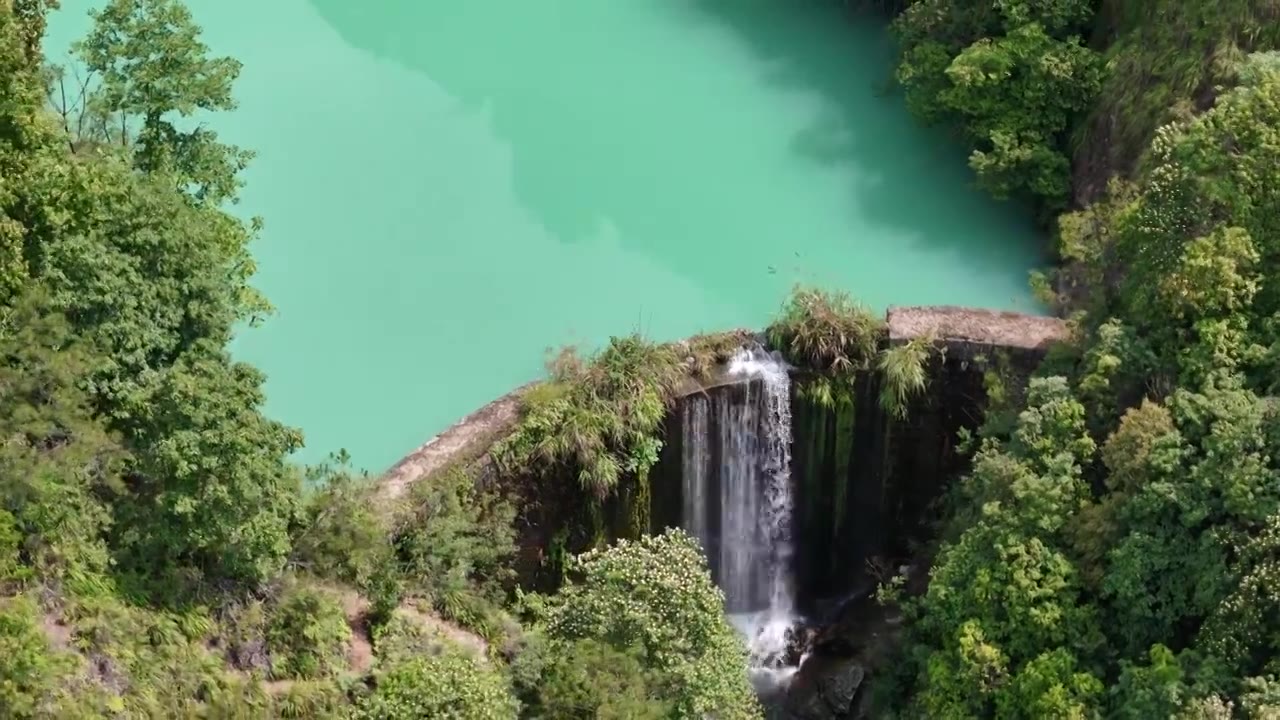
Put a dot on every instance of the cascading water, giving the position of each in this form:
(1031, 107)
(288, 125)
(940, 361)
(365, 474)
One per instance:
(741, 442)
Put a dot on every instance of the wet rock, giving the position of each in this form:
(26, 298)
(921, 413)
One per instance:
(840, 686)
(824, 689)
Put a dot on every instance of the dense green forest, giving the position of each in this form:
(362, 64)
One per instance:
(1114, 551)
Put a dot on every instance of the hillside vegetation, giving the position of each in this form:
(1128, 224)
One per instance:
(158, 554)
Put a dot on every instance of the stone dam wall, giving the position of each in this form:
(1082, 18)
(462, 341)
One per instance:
(865, 483)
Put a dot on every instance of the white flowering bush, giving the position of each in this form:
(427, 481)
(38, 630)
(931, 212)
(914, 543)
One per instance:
(654, 596)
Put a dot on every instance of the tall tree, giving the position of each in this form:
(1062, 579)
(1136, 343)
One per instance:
(155, 75)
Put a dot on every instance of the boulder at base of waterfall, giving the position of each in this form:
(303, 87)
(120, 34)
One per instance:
(800, 639)
(824, 689)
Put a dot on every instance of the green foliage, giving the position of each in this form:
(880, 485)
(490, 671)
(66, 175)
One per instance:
(479, 615)
(140, 271)
(150, 280)
(1050, 686)
(596, 420)
(903, 374)
(1166, 58)
(312, 700)
(588, 680)
(447, 684)
(1005, 591)
(11, 568)
(655, 597)
(1124, 533)
(1241, 631)
(704, 353)
(307, 635)
(211, 492)
(1015, 96)
(404, 636)
(26, 675)
(1182, 256)
(133, 447)
(454, 537)
(1153, 689)
(57, 464)
(1012, 75)
(151, 663)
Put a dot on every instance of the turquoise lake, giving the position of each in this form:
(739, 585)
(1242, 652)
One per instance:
(452, 188)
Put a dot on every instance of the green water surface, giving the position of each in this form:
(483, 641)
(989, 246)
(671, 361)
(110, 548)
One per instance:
(453, 186)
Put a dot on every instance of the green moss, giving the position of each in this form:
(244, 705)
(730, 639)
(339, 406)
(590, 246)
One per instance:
(639, 506)
(558, 552)
(845, 418)
(815, 417)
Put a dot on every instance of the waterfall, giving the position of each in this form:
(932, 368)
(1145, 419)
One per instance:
(737, 500)
(694, 470)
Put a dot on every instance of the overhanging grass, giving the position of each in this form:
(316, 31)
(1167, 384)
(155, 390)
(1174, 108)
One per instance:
(599, 417)
(903, 374)
(830, 334)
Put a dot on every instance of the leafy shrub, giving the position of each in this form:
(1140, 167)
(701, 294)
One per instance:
(242, 633)
(56, 464)
(307, 635)
(478, 615)
(587, 680)
(213, 495)
(404, 637)
(1014, 76)
(902, 374)
(454, 538)
(1016, 96)
(447, 684)
(655, 597)
(341, 534)
(11, 568)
